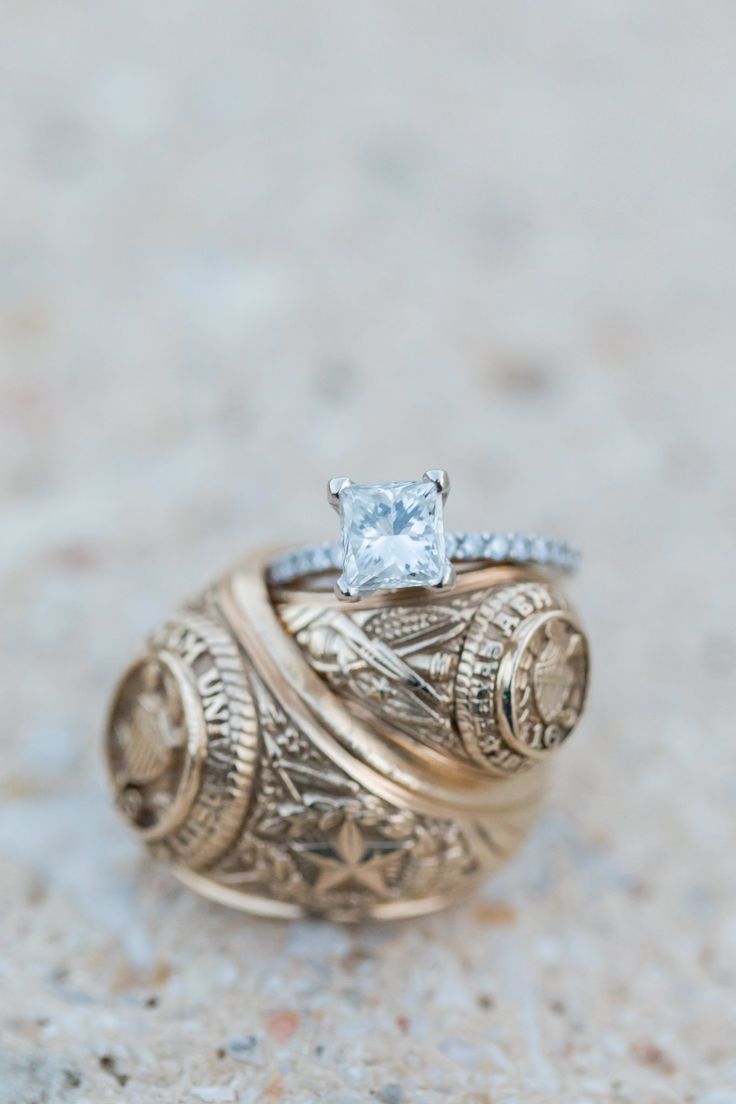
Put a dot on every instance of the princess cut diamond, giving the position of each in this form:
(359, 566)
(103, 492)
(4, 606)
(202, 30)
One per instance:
(393, 536)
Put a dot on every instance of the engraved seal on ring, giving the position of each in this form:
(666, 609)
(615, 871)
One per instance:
(522, 677)
(182, 741)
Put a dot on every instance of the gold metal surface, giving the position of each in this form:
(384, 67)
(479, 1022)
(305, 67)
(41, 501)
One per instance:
(290, 755)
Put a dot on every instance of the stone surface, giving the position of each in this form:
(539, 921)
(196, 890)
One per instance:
(243, 246)
(393, 535)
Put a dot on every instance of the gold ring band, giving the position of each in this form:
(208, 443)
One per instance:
(292, 755)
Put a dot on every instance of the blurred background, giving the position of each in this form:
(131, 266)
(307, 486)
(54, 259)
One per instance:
(244, 247)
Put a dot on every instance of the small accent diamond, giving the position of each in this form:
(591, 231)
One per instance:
(498, 547)
(521, 547)
(473, 546)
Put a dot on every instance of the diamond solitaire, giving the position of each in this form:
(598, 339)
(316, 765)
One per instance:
(393, 534)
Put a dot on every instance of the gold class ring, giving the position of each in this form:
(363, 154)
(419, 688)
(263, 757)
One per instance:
(363, 745)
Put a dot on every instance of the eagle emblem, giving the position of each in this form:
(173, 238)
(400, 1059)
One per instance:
(554, 673)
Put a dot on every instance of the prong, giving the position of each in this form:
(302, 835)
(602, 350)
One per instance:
(343, 591)
(441, 480)
(334, 487)
(449, 576)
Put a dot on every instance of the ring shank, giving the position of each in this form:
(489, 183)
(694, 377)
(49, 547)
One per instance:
(336, 780)
(461, 547)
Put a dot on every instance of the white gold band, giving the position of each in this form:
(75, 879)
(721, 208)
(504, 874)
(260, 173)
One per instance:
(461, 547)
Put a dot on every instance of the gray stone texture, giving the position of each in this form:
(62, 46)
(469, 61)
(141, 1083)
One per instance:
(245, 246)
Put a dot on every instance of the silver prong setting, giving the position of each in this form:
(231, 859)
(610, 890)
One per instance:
(334, 489)
(343, 591)
(441, 480)
(448, 579)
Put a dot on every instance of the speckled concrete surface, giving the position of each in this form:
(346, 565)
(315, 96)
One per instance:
(244, 247)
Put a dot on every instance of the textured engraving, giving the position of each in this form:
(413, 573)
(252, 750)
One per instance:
(318, 838)
(549, 683)
(152, 753)
(350, 857)
(458, 673)
(398, 662)
(229, 713)
(522, 677)
(211, 762)
(474, 674)
(193, 678)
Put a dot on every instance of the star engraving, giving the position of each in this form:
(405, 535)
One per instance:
(355, 861)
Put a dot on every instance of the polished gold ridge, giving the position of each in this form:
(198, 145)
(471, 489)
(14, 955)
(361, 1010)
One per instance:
(291, 755)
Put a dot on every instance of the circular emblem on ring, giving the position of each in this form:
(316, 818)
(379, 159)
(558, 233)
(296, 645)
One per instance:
(182, 740)
(522, 677)
(155, 744)
(543, 683)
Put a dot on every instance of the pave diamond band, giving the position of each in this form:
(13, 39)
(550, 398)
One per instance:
(460, 547)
